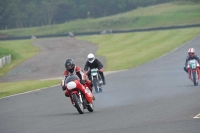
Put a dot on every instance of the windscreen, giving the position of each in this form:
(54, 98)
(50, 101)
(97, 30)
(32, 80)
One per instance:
(71, 78)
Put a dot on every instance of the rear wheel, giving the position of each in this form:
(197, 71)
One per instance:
(195, 78)
(79, 106)
(100, 90)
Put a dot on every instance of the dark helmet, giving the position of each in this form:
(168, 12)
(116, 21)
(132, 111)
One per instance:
(69, 65)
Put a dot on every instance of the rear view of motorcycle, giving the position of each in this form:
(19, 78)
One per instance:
(193, 71)
(96, 80)
(81, 96)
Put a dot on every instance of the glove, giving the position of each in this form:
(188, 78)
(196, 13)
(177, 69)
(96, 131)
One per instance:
(64, 88)
(86, 72)
(82, 82)
(101, 70)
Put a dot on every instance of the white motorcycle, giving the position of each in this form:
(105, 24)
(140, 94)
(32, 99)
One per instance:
(96, 80)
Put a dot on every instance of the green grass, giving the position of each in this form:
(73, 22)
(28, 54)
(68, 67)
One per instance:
(11, 88)
(153, 16)
(124, 51)
(20, 51)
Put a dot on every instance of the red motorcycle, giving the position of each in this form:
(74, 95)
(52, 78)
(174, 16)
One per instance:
(81, 96)
(194, 71)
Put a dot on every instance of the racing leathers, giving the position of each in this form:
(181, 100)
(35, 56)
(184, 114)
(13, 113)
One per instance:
(80, 74)
(95, 64)
(191, 58)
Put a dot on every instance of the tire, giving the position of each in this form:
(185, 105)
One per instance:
(100, 90)
(95, 84)
(79, 106)
(194, 75)
(90, 107)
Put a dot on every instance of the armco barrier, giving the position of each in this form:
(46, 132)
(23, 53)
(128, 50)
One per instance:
(98, 32)
(5, 60)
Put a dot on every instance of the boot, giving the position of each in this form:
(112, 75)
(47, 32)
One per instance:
(185, 69)
(66, 95)
(104, 82)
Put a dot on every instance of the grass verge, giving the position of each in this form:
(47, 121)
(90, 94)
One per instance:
(11, 88)
(20, 51)
(124, 51)
(152, 16)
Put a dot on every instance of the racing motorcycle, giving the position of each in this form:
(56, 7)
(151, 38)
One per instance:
(193, 71)
(96, 80)
(80, 94)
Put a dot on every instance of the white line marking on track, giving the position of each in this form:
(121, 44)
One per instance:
(107, 73)
(197, 116)
(176, 48)
(29, 91)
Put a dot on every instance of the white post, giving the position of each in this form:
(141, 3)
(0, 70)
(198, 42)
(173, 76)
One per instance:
(1, 63)
(4, 60)
(9, 59)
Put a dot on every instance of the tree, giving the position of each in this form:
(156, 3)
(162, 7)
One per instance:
(28, 13)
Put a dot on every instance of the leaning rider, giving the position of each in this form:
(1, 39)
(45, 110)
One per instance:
(191, 56)
(71, 68)
(94, 63)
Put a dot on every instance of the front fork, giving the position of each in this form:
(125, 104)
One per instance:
(80, 97)
(98, 77)
(189, 74)
(198, 73)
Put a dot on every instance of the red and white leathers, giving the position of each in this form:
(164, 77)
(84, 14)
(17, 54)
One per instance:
(81, 75)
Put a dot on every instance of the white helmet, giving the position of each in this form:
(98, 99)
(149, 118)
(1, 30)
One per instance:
(91, 57)
(191, 50)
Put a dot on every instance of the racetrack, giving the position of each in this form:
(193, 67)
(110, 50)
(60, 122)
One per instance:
(49, 63)
(156, 97)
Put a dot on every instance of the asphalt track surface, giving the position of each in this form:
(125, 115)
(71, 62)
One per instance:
(156, 97)
(49, 63)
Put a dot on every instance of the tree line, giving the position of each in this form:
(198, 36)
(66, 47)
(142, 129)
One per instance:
(31, 13)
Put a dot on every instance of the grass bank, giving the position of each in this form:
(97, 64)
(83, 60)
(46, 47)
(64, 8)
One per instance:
(20, 51)
(124, 51)
(152, 16)
(11, 88)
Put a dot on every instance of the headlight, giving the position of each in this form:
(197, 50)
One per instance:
(71, 85)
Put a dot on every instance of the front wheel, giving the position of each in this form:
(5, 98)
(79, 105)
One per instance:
(90, 107)
(79, 106)
(195, 78)
(95, 84)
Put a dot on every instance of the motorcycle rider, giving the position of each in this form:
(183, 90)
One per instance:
(71, 68)
(91, 63)
(191, 56)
